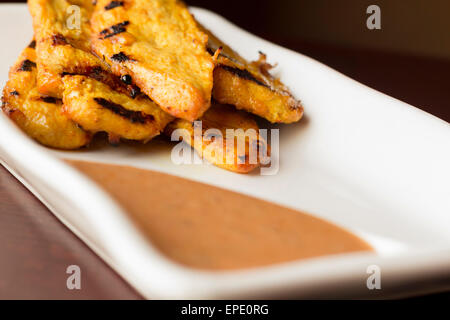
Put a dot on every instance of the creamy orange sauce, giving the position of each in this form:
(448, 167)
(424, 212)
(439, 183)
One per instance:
(206, 227)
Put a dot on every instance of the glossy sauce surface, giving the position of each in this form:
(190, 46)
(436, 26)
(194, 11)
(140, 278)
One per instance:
(206, 227)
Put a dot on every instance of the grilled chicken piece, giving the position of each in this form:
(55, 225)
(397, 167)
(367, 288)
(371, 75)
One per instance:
(41, 117)
(246, 149)
(96, 107)
(249, 85)
(63, 47)
(158, 44)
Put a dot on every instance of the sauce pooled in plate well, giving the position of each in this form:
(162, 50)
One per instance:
(205, 227)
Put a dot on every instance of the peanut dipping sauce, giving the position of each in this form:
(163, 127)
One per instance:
(206, 227)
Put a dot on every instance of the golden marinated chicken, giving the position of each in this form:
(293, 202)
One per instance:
(159, 45)
(39, 116)
(61, 48)
(241, 150)
(96, 107)
(63, 51)
(136, 68)
(250, 86)
(63, 33)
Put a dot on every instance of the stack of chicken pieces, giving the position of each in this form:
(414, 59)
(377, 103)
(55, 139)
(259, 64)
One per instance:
(135, 69)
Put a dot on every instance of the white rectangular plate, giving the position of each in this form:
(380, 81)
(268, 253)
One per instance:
(363, 160)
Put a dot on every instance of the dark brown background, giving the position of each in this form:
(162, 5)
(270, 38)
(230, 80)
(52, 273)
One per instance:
(408, 59)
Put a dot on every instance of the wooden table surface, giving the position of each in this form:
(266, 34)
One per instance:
(35, 248)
